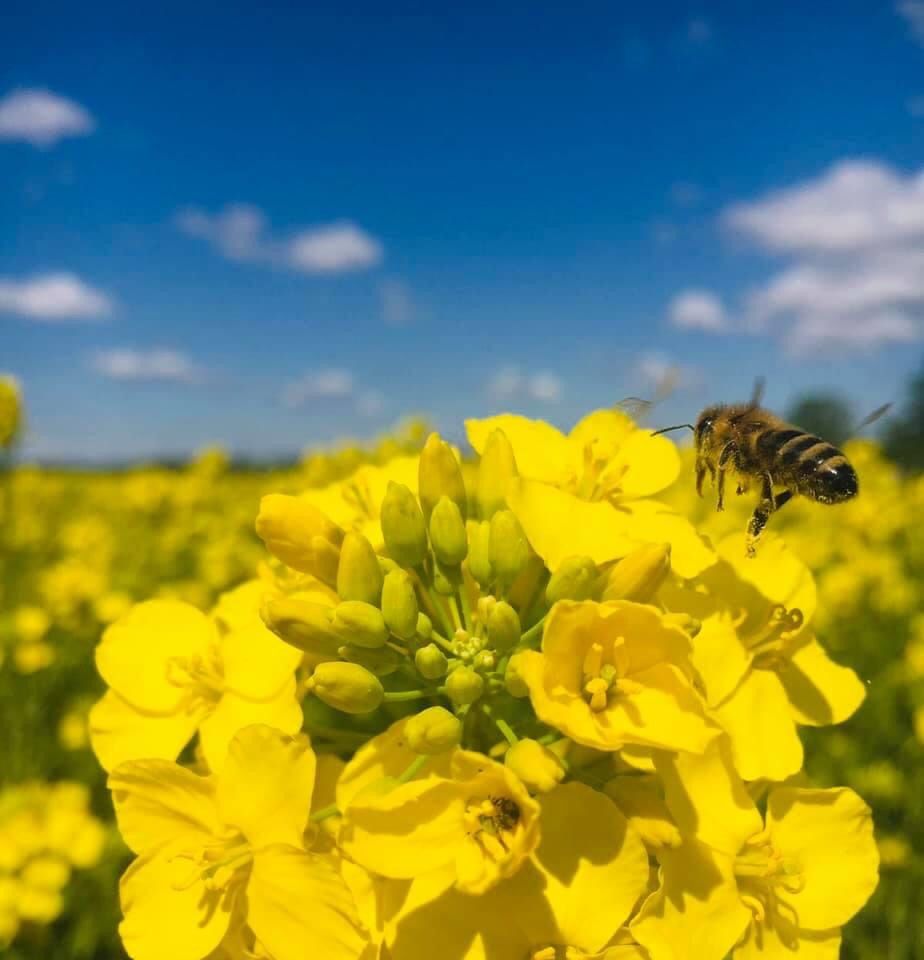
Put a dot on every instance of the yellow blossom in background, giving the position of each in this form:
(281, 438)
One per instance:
(10, 410)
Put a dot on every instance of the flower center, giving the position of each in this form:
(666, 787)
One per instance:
(202, 677)
(605, 674)
(597, 481)
(768, 639)
(218, 865)
(557, 953)
(492, 822)
(763, 873)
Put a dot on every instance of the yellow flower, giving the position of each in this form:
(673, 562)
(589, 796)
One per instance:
(763, 888)
(224, 850)
(763, 671)
(568, 487)
(172, 671)
(10, 410)
(472, 828)
(616, 673)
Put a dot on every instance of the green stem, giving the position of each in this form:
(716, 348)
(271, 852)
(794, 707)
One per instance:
(415, 767)
(534, 631)
(454, 610)
(501, 725)
(397, 696)
(466, 607)
(331, 810)
(397, 648)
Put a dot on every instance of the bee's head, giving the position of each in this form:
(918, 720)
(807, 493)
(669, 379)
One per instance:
(705, 423)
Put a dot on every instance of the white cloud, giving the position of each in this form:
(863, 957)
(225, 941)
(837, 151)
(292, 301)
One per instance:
(370, 403)
(335, 248)
(697, 310)
(913, 12)
(42, 118)
(854, 206)
(397, 304)
(158, 364)
(510, 383)
(53, 298)
(242, 232)
(333, 385)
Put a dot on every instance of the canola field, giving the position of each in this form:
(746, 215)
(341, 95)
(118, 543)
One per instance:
(553, 709)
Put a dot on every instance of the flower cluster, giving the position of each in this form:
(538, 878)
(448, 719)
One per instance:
(46, 831)
(513, 709)
(10, 411)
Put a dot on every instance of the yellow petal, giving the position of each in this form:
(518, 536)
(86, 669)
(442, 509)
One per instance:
(135, 651)
(640, 800)
(595, 866)
(776, 572)
(696, 913)
(264, 788)
(232, 713)
(541, 451)
(158, 802)
(168, 912)
(707, 798)
(559, 525)
(648, 521)
(298, 906)
(765, 943)
(720, 658)
(759, 722)
(829, 834)
(119, 732)
(820, 691)
(412, 829)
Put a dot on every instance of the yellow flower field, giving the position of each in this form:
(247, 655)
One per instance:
(528, 703)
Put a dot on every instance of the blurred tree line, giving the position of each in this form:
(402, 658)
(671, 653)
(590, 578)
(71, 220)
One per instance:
(829, 415)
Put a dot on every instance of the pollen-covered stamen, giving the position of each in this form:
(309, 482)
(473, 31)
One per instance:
(763, 873)
(599, 480)
(201, 676)
(217, 865)
(768, 638)
(604, 674)
(357, 494)
(492, 822)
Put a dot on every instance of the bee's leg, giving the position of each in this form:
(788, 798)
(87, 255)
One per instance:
(761, 515)
(728, 453)
(742, 486)
(701, 467)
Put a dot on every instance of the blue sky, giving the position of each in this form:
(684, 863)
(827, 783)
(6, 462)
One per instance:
(269, 227)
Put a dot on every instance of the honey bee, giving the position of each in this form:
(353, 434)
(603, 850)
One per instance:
(759, 446)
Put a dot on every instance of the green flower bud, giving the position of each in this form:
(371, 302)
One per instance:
(479, 556)
(513, 679)
(484, 660)
(445, 579)
(538, 768)
(508, 548)
(431, 662)
(360, 624)
(382, 661)
(439, 476)
(433, 730)
(346, 686)
(574, 579)
(300, 535)
(503, 627)
(447, 533)
(403, 526)
(639, 575)
(464, 686)
(303, 624)
(424, 628)
(359, 576)
(399, 604)
(497, 468)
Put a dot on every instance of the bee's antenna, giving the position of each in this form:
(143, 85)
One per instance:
(679, 426)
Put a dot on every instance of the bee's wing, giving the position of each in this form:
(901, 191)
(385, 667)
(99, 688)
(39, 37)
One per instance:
(757, 394)
(873, 417)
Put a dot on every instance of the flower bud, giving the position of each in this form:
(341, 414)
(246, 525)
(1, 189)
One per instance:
(424, 627)
(508, 548)
(503, 627)
(497, 468)
(382, 661)
(431, 662)
(300, 535)
(447, 533)
(403, 526)
(513, 679)
(690, 625)
(446, 579)
(479, 557)
(639, 575)
(433, 730)
(302, 624)
(346, 686)
(359, 576)
(439, 476)
(538, 768)
(360, 624)
(573, 580)
(399, 605)
(464, 686)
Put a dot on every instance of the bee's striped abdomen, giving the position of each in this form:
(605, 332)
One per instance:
(812, 466)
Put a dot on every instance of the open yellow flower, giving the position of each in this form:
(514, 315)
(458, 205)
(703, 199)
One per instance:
(471, 828)
(770, 889)
(616, 673)
(172, 671)
(763, 671)
(217, 852)
(588, 493)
